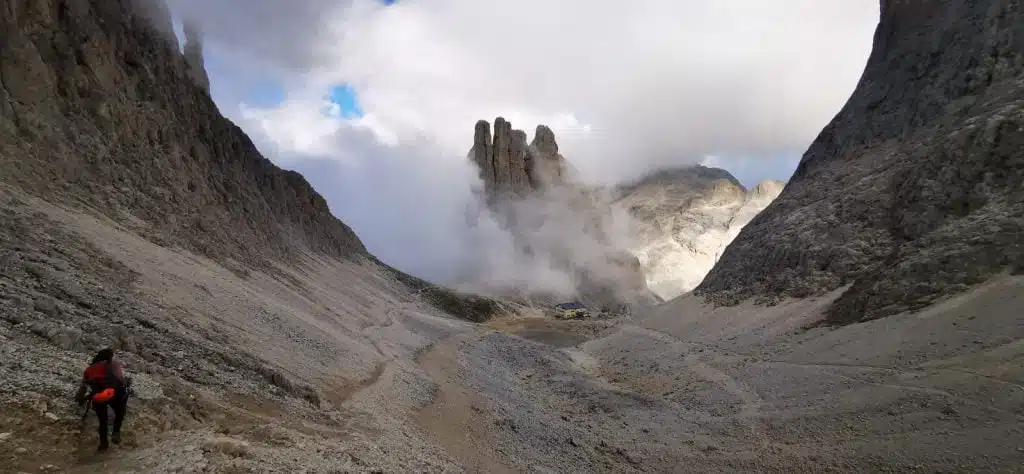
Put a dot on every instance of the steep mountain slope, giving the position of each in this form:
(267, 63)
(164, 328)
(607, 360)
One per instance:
(99, 108)
(915, 190)
(684, 218)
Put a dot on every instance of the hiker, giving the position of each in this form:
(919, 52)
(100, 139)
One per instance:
(108, 387)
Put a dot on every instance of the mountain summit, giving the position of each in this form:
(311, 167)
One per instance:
(683, 220)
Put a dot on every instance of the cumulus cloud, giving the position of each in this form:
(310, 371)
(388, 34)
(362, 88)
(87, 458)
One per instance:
(628, 87)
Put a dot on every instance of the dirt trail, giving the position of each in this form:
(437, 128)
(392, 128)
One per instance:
(457, 419)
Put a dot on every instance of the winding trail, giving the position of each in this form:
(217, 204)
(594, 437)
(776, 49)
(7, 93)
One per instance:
(750, 409)
(456, 418)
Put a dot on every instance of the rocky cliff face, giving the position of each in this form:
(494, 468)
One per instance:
(684, 218)
(528, 189)
(98, 108)
(509, 167)
(914, 190)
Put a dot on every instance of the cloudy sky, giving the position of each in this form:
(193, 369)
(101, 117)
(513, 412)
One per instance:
(374, 101)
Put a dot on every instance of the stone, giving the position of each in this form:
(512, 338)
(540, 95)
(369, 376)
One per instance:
(47, 305)
(550, 166)
(22, 302)
(225, 445)
(125, 340)
(501, 158)
(912, 192)
(482, 155)
(67, 338)
(5, 436)
(520, 164)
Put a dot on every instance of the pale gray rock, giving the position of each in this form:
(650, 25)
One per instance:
(550, 166)
(47, 305)
(683, 220)
(502, 156)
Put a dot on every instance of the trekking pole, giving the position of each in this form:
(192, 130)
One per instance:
(85, 413)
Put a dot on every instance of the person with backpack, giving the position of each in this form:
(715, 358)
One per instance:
(108, 387)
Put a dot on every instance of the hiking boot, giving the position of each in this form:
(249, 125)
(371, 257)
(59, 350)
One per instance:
(115, 438)
(103, 447)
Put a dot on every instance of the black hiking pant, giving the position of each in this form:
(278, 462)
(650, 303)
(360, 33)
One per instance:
(120, 405)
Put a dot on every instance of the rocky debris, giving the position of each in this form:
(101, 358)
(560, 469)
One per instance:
(684, 218)
(278, 379)
(224, 445)
(46, 305)
(913, 191)
(100, 110)
(64, 337)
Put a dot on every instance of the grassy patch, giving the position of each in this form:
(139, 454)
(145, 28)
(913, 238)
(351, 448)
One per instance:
(466, 306)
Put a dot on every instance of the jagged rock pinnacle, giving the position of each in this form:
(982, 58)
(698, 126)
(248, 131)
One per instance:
(511, 167)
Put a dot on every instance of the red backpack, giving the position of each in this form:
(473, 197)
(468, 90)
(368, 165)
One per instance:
(102, 381)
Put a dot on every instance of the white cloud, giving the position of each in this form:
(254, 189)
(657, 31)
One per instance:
(627, 87)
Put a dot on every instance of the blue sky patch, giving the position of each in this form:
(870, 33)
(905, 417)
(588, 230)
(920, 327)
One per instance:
(265, 93)
(344, 96)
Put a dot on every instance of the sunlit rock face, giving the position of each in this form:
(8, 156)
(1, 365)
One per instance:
(684, 218)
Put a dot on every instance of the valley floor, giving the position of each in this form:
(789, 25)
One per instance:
(334, 367)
